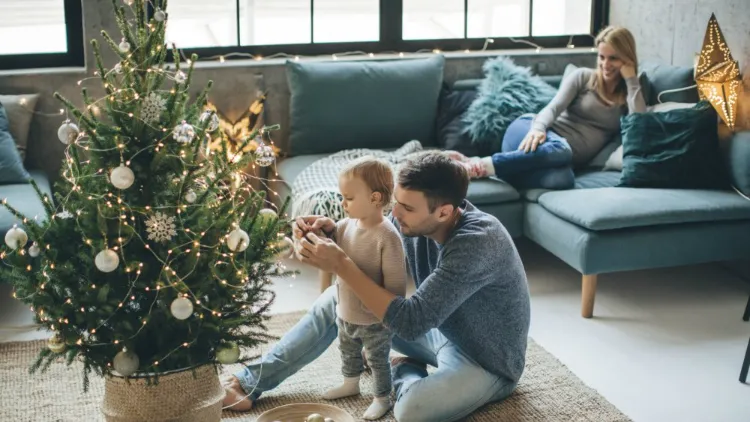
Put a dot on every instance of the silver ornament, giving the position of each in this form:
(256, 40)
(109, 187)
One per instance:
(159, 15)
(183, 133)
(264, 155)
(286, 248)
(107, 261)
(228, 353)
(124, 46)
(126, 363)
(213, 120)
(67, 132)
(181, 308)
(266, 217)
(238, 240)
(122, 177)
(180, 77)
(16, 238)
(55, 344)
(34, 250)
(190, 197)
(118, 68)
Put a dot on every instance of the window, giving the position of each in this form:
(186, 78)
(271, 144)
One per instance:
(41, 33)
(313, 27)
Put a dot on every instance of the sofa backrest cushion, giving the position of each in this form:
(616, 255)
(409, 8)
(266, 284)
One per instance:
(11, 165)
(340, 105)
(737, 156)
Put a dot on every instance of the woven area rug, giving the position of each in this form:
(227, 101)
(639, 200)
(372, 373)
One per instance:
(548, 391)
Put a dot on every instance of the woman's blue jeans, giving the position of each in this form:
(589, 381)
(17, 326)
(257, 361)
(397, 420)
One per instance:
(549, 167)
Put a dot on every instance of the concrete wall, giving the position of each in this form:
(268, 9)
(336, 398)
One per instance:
(235, 83)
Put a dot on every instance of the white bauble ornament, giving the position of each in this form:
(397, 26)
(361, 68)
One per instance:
(67, 132)
(264, 155)
(315, 417)
(180, 77)
(286, 246)
(266, 217)
(181, 308)
(16, 238)
(213, 120)
(126, 363)
(159, 15)
(191, 197)
(328, 420)
(118, 68)
(122, 177)
(34, 250)
(124, 46)
(183, 133)
(228, 353)
(107, 261)
(55, 344)
(238, 240)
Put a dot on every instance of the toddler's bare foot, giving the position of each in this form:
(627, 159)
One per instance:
(234, 398)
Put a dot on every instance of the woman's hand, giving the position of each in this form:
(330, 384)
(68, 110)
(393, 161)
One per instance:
(627, 70)
(322, 253)
(532, 140)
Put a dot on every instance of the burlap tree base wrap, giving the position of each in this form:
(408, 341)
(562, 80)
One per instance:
(178, 397)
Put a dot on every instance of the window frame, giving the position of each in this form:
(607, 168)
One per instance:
(391, 21)
(74, 57)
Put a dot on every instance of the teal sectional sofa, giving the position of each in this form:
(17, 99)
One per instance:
(595, 228)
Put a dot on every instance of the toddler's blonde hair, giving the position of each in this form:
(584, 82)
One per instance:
(376, 173)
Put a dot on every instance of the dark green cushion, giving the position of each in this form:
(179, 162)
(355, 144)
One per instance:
(663, 77)
(362, 104)
(11, 163)
(616, 208)
(673, 149)
(737, 157)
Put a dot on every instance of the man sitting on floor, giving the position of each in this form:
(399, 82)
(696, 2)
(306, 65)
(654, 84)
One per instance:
(469, 316)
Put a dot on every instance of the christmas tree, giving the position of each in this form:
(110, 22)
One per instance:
(150, 258)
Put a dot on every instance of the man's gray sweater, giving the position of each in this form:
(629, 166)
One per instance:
(473, 289)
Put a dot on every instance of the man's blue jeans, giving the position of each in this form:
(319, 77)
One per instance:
(549, 167)
(458, 387)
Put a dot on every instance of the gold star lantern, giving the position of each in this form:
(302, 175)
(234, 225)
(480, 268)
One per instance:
(718, 74)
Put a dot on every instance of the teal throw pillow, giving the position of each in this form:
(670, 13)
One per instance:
(737, 156)
(340, 105)
(674, 149)
(11, 164)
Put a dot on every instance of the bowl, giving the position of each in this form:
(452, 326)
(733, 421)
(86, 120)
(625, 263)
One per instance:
(298, 412)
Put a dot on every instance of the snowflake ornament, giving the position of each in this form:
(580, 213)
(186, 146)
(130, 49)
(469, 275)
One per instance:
(153, 107)
(65, 214)
(160, 227)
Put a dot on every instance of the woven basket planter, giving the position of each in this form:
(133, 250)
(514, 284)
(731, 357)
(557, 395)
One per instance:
(178, 396)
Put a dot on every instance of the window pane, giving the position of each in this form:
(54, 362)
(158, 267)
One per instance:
(346, 20)
(27, 28)
(433, 19)
(267, 22)
(200, 23)
(561, 17)
(499, 18)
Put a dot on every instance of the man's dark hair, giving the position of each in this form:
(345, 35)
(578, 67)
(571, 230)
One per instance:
(440, 179)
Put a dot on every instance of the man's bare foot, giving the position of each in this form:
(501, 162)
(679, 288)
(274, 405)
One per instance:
(235, 397)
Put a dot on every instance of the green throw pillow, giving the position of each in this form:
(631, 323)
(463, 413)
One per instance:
(674, 149)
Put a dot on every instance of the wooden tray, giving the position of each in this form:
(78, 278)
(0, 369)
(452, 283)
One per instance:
(298, 412)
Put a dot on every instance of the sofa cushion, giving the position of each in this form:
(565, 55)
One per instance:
(663, 77)
(491, 191)
(737, 157)
(362, 104)
(615, 208)
(20, 110)
(23, 197)
(11, 163)
(584, 180)
(450, 125)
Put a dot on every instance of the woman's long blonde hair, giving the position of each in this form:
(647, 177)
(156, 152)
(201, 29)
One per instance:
(623, 42)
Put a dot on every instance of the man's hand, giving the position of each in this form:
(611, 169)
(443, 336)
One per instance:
(322, 253)
(532, 140)
(627, 71)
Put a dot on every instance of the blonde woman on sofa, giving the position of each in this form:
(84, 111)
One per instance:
(540, 151)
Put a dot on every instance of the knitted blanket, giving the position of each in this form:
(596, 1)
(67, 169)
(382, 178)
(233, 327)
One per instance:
(316, 190)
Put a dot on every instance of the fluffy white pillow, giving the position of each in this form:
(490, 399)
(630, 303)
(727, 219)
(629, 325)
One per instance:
(614, 162)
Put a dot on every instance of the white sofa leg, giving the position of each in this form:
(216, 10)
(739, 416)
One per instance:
(588, 293)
